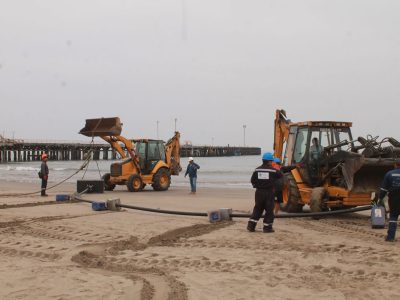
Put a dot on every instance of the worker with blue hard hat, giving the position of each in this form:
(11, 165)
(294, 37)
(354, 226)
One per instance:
(264, 179)
(268, 156)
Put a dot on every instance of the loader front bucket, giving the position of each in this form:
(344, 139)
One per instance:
(366, 175)
(102, 127)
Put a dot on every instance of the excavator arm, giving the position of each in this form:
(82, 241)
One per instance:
(281, 132)
(172, 155)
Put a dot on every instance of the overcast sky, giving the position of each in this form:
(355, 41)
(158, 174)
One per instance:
(215, 65)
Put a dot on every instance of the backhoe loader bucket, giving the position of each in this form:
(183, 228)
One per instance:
(102, 127)
(366, 175)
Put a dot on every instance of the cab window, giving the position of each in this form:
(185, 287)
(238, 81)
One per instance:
(323, 135)
(154, 151)
(141, 152)
(287, 159)
(342, 134)
(300, 145)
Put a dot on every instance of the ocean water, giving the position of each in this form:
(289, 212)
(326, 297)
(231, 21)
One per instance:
(228, 172)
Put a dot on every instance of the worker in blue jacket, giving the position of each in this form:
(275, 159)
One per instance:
(391, 186)
(264, 179)
(191, 170)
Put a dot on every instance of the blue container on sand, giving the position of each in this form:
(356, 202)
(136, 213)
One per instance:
(97, 206)
(214, 216)
(62, 197)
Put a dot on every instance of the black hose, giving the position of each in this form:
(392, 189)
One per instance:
(163, 211)
(288, 215)
(312, 214)
(201, 214)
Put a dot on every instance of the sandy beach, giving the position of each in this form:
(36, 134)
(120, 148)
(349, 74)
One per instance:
(51, 250)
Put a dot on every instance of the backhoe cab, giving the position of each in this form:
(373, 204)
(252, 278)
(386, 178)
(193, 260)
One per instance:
(325, 168)
(143, 161)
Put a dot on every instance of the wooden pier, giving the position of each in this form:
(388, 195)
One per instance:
(21, 151)
(206, 151)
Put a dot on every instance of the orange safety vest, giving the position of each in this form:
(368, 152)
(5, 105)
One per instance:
(276, 166)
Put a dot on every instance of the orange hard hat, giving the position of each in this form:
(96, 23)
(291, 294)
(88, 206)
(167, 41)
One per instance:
(44, 155)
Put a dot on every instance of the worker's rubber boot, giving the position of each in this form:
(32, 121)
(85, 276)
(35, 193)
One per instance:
(268, 229)
(387, 239)
(251, 226)
(391, 233)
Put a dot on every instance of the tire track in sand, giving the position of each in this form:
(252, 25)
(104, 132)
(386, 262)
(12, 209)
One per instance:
(155, 273)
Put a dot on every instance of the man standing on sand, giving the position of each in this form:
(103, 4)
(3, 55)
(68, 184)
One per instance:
(264, 180)
(391, 185)
(44, 172)
(192, 171)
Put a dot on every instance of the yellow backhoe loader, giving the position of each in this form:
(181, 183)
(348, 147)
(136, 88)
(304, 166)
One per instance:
(143, 161)
(325, 168)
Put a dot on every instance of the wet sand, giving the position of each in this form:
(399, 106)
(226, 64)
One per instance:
(67, 251)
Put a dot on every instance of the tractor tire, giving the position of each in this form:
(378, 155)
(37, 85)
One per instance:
(318, 200)
(291, 194)
(108, 186)
(161, 180)
(134, 183)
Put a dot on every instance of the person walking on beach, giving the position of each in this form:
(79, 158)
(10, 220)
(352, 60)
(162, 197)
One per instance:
(278, 187)
(192, 171)
(391, 185)
(264, 180)
(44, 174)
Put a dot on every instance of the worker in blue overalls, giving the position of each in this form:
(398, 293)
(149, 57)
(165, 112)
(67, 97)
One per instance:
(264, 179)
(391, 186)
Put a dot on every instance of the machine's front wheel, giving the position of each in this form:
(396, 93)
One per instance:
(318, 200)
(161, 180)
(134, 183)
(291, 195)
(108, 186)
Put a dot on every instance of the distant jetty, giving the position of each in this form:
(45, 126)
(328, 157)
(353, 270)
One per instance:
(13, 150)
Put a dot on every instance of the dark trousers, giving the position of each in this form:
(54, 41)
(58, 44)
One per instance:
(264, 202)
(391, 233)
(279, 196)
(44, 186)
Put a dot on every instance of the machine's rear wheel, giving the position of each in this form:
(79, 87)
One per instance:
(318, 199)
(134, 183)
(108, 186)
(291, 195)
(161, 180)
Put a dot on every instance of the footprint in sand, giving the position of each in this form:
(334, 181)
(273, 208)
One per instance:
(185, 264)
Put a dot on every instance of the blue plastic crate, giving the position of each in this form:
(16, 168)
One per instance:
(214, 216)
(63, 197)
(97, 206)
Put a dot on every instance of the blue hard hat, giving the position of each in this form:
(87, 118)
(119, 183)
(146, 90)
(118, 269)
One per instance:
(268, 156)
(277, 160)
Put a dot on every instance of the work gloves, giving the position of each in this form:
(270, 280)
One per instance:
(382, 202)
